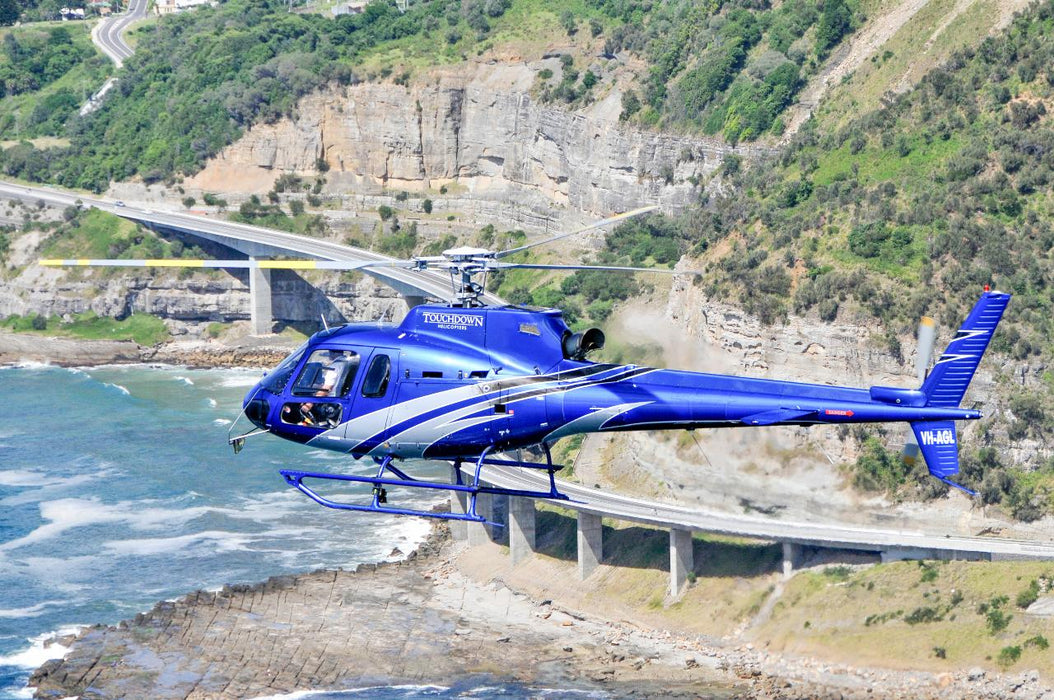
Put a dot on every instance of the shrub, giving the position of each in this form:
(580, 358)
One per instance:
(1039, 641)
(997, 620)
(1028, 596)
(569, 23)
(878, 469)
(923, 615)
(1008, 656)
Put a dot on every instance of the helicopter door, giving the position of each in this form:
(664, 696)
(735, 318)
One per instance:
(377, 390)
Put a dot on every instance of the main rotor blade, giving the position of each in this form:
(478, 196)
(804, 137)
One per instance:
(228, 264)
(598, 224)
(607, 268)
(924, 352)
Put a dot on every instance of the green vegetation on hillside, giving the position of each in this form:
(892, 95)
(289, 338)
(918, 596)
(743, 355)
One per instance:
(12, 11)
(907, 209)
(143, 329)
(206, 75)
(94, 233)
(198, 79)
(935, 615)
(46, 74)
(586, 296)
(910, 210)
(726, 67)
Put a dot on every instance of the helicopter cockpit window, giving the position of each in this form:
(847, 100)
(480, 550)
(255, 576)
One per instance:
(327, 373)
(376, 381)
(277, 379)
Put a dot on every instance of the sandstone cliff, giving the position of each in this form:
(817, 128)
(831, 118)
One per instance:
(483, 137)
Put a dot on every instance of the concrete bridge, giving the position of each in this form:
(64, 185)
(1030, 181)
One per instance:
(591, 505)
(251, 242)
(255, 242)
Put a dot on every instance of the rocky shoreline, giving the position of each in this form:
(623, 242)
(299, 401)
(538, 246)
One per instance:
(264, 352)
(416, 621)
(427, 620)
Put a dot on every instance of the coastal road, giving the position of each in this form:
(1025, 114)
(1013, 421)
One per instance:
(108, 35)
(894, 543)
(411, 283)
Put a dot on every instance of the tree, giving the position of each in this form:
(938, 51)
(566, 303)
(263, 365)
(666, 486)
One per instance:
(834, 23)
(8, 12)
(570, 24)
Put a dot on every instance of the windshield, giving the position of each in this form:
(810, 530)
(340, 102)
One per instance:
(327, 373)
(275, 381)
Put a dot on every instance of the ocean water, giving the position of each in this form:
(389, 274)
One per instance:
(118, 489)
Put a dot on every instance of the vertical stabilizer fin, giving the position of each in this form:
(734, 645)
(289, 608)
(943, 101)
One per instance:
(951, 375)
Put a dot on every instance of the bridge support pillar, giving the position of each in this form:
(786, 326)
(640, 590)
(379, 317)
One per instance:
(260, 301)
(792, 553)
(459, 505)
(479, 533)
(522, 519)
(682, 560)
(590, 543)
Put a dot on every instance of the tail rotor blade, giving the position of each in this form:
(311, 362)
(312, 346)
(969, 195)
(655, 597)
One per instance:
(927, 336)
(924, 353)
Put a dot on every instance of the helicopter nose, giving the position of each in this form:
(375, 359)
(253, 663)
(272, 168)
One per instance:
(256, 411)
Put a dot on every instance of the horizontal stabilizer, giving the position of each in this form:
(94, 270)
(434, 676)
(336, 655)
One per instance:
(779, 415)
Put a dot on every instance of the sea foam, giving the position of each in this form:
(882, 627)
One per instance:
(218, 542)
(68, 513)
(42, 648)
(21, 613)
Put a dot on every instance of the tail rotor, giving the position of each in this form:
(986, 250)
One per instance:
(923, 356)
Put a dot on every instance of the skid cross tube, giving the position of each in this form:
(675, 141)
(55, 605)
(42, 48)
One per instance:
(379, 481)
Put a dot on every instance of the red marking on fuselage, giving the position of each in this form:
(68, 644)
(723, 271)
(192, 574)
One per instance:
(830, 412)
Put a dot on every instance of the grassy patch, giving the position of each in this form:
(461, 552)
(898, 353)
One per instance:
(887, 616)
(143, 329)
(900, 58)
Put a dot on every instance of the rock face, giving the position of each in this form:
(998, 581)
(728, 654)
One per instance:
(486, 139)
(196, 299)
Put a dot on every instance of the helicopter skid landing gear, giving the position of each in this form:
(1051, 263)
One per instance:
(380, 483)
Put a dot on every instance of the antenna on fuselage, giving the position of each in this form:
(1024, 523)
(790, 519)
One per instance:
(325, 326)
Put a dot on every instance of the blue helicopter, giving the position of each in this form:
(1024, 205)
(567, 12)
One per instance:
(471, 383)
